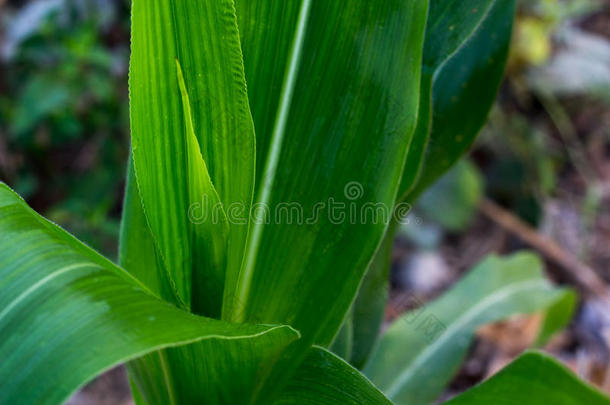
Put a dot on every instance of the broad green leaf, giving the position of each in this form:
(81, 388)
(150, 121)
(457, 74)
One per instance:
(136, 396)
(182, 365)
(464, 58)
(206, 372)
(533, 379)
(138, 253)
(346, 85)
(325, 379)
(343, 344)
(422, 350)
(203, 37)
(368, 310)
(67, 314)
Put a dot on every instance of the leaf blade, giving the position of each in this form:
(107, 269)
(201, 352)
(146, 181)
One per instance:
(532, 379)
(357, 124)
(203, 36)
(465, 55)
(420, 352)
(325, 379)
(69, 314)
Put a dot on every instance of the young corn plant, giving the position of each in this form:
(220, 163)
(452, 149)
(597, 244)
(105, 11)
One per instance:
(258, 220)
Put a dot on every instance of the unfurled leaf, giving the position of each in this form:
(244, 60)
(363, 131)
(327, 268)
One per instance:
(532, 379)
(138, 252)
(368, 310)
(203, 37)
(67, 314)
(209, 235)
(464, 58)
(421, 351)
(325, 379)
(339, 88)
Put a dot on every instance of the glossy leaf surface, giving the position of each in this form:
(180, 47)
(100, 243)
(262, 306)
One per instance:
(422, 350)
(138, 253)
(203, 38)
(67, 314)
(532, 379)
(348, 84)
(464, 58)
(325, 379)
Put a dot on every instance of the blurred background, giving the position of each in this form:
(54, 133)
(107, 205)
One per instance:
(537, 178)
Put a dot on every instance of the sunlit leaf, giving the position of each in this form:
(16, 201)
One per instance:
(203, 37)
(67, 314)
(339, 83)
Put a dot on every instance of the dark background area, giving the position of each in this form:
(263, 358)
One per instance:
(543, 162)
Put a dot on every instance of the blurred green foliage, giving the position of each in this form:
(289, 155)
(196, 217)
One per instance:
(63, 113)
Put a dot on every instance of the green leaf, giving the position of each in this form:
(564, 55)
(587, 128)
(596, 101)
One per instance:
(210, 235)
(138, 253)
(203, 37)
(532, 379)
(207, 372)
(343, 344)
(325, 379)
(181, 365)
(464, 58)
(67, 314)
(557, 316)
(422, 350)
(344, 91)
(368, 309)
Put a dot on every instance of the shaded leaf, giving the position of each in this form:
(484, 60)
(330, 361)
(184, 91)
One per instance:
(325, 379)
(368, 309)
(343, 344)
(138, 253)
(464, 58)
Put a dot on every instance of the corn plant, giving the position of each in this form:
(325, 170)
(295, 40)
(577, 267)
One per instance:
(257, 220)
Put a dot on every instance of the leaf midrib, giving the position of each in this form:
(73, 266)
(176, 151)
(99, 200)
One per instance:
(45, 280)
(246, 273)
(439, 66)
(501, 294)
